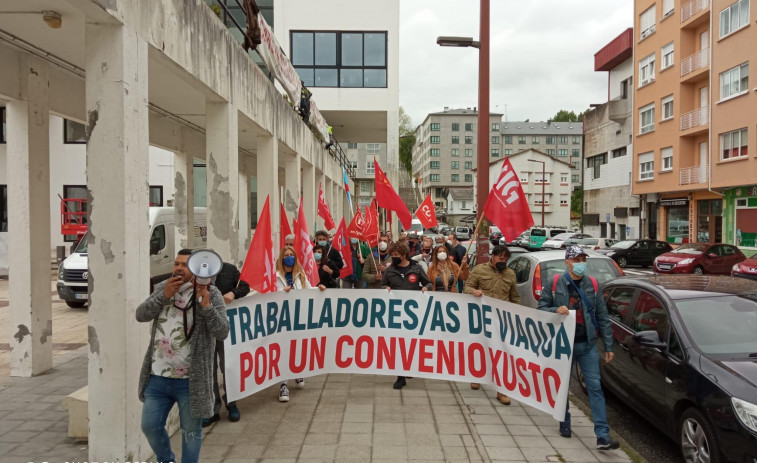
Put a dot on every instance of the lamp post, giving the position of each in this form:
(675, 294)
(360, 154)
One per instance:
(543, 182)
(482, 155)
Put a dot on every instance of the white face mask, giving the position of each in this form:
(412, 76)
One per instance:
(449, 242)
(382, 246)
(442, 256)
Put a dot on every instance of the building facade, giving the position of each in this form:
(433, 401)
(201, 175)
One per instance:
(609, 209)
(694, 116)
(361, 155)
(461, 204)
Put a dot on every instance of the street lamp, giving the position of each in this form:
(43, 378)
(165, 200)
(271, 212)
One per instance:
(543, 182)
(482, 155)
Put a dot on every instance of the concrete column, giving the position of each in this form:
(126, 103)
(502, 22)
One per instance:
(184, 199)
(28, 164)
(222, 148)
(119, 269)
(309, 187)
(244, 210)
(292, 191)
(268, 180)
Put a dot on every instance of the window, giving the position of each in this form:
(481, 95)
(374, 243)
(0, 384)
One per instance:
(435, 139)
(574, 178)
(464, 205)
(468, 165)
(538, 177)
(646, 166)
(667, 108)
(508, 139)
(469, 127)
(3, 133)
(563, 153)
(616, 153)
(563, 178)
(734, 81)
(3, 208)
(576, 153)
(434, 164)
(158, 239)
(646, 70)
(535, 140)
(455, 153)
(468, 140)
(434, 177)
(646, 118)
(75, 192)
(434, 152)
(373, 148)
(550, 140)
(595, 163)
(468, 177)
(734, 17)
(351, 145)
(435, 127)
(370, 168)
(495, 152)
(339, 59)
(521, 140)
(734, 144)
(619, 304)
(468, 153)
(563, 199)
(538, 200)
(667, 8)
(156, 195)
(650, 315)
(455, 140)
(495, 127)
(455, 164)
(647, 22)
(455, 126)
(455, 178)
(73, 132)
(524, 177)
(667, 56)
(495, 139)
(562, 140)
(667, 158)
(576, 140)
(508, 152)
(522, 268)
(551, 152)
(365, 188)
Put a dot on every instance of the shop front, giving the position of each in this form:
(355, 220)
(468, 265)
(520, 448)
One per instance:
(741, 216)
(698, 217)
(674, 220)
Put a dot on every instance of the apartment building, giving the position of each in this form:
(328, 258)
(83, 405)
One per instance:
(444, 154)
(561, 140)
(695, 115)
(361, 155)
(609, 209)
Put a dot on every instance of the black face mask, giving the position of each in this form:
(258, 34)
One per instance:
(500, 266)
(396, 260)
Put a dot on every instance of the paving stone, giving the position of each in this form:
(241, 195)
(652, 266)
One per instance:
(282, 451)
(583, 455)
(539, 454)
(523, 430)
(611, 456)
(496, 429)
(321, 438)
(246, 451)
(504, 453)
(356, 439)
(353, 453)
(425, 452)
(17, 436)
(389, 452)
(389, 439)
(326, 451)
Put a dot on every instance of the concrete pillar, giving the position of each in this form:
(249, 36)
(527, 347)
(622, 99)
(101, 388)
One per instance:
(184, 199)
(222, 148)
(292, 191)
(119, 269)
(309, 187)
(244, 210)
(268, 180)
(28, 164)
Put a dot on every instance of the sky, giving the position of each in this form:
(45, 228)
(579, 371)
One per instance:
(542, 55)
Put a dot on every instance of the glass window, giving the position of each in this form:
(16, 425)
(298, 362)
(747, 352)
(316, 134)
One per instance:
(374, 78)
(468, 153)
(455, 152)
(455, 126)
(74, 132)
(734, 144)
(667, 56)
(306, 75)
(563, 153)
(650, 315)
(302, 48)
(508, 139)
(468, 127)
(373, 148)
(325, 78)
(325, 49)
(351, 78)
(646, 165)
(3, 208)
(495, 139)
(667, 158)
(646, 70)
(522, 268)
(550, 141)
(667, 8)
(352, 49)
(3, 133)
(455, 140)
(734, 17)
(469, 164)
(435, 127)
(619, 304)
(667, 108)
(158, 239)
(574, 178)
(495, 127)
(576, 153)
(468, 140)
(495, 152)
(468, 177)
(75, 192)
(434, 165)
(521, 140)
(646, 118)
(647, 22)
(434, 152)
(562, 140)
(455, 178)
(551, 152)
(435, 140)
(678, 224)
(576, 140)
(455, 165)
(156, 195)
(734, 81)
(375, 49)
(508, 152)
(434, 177)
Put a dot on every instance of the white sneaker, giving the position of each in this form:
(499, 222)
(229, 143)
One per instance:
(300, 382)
(283, 393)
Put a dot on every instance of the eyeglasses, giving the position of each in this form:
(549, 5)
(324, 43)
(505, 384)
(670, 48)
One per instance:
(425, 250)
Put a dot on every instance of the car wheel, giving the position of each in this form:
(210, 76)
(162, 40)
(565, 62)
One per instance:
(622, 261)
(698, 270)
(581, 379)
(697, 438)
(76, 304)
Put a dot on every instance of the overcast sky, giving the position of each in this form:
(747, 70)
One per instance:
(542, 55)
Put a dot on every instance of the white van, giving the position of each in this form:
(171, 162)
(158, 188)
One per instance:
(416, 228)
(72, 273)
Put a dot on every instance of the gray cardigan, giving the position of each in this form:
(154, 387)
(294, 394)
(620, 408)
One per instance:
(212, 324)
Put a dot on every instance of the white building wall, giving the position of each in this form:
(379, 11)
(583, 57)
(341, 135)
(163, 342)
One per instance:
(620, 73)
(617, 172)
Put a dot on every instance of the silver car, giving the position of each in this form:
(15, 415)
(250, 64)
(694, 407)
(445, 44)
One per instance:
(535, 270)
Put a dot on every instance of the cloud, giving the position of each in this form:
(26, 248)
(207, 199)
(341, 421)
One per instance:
(541, 58)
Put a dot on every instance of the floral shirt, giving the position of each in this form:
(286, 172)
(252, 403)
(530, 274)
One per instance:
(172, 351)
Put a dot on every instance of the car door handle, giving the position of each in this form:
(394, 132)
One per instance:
(624, 346)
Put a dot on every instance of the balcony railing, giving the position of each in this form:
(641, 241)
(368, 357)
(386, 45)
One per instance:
(695, 118)
(694, 175)
(694, 62)
(693, 7)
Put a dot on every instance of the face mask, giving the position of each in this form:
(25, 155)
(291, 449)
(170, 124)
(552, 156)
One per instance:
(317, 256)
(579, 268)
(288, 261)
(396, 260)
(500, 266)
(382, 246)
(323, 243)
(442, 256)
(449, 242)
(353, 240)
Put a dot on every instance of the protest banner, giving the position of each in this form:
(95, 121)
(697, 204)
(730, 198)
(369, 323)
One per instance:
(523, 352)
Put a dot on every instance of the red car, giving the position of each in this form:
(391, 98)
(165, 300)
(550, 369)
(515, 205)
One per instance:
(746, 268)
(699, 258)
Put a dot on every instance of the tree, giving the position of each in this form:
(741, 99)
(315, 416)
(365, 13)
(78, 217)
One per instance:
(407, 141)
(576, 202)
(564, 115)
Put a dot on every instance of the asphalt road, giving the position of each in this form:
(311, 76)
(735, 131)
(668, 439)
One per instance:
(650, 443)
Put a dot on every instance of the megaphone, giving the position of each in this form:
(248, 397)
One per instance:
(204, 264)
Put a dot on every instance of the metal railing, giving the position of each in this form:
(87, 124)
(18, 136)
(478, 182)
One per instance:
(694, 62)
(696, 118)
(694, 175)
(693, 7)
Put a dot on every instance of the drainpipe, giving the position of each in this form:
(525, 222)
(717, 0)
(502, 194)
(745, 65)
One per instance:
(709, 117)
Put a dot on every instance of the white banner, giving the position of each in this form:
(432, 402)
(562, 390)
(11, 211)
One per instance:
(277, 62)
(318, 122)
(278, 336)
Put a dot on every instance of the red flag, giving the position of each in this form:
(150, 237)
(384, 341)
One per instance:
(340, 244)
(356, 227)
(304, 248)
(387, 198)
(426, 213)
(285, 230)
(323, 210)
(371, 227)
(259, 269)
(507, 205)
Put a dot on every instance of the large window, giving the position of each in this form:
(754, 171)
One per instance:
(3, 208)
(550, 141)
(455, 165)
(370, 168)
(495, 127)
(434, 164)
(468, 153)
(646, 118)
(434, 152)
(521, 140)
(373, 148)
(455, 140)
(468, 140)
(455, 153)
(435, 127)
(667, 159)
(73, 132)
(563, 153)
(647, 22)
(668, 57)
(734, 81)
(468, 165)
(455, 126)
(469, 127)
(595, 163)
(75, 192)
(495, 152)
(646, 166)
(576, 140)
(495, 139)
(156, 195)
(734, 17)
(646, 70)
(551, 152)
(667, 108)
(435, 139)
(434, 177)
(562, 140)
(455, 178)
(535, 140)
(340, 59)
(734, 144)
(576, 153)
(468, 177)
(508, 139)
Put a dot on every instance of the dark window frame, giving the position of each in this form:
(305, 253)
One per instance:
(159, 188)
(66, 141)
(3, 208)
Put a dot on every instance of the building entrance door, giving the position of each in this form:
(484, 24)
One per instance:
(710, 221)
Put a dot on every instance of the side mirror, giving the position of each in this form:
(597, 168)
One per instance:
(649, 339)
(154, 247)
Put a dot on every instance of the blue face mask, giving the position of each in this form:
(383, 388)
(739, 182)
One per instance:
(323, 243)
(353, 240)
(317, 256)
(289, 261)
(579, 268)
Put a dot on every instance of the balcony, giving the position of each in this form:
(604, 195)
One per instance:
(694, 175)
(692, 8)
(620, 110)
(695, 122)
(692, 66)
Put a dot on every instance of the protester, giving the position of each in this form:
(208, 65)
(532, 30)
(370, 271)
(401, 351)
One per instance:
(376, 263)
(458, 250)
(187, 320)
(424, 258)
(495, 280)
(413, 243)
(231, 287)
(444, 272)
(289, 240)
(440, 240)
(322, 237)
(328, 274)
(404, 274)
(360, 253)
(573, 290)
(289, 276)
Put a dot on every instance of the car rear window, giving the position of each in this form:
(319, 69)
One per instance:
(537, 232)
(602, 269)
(589, 241)
(721, 325)
(554, 233)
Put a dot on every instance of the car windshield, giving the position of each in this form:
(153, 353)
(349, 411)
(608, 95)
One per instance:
(416, 227)
(589, 241)
(721, 325)
(603, 269)
(562, 236)
(82, 246)
(538, 232)
(691, 248)
(623, 244)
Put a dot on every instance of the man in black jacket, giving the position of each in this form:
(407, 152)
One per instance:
(322, 238)
(231, 287)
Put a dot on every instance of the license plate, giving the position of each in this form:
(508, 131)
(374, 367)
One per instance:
(81, 296)
(665, 266)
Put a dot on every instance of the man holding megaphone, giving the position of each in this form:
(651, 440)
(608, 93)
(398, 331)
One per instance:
(188, 316)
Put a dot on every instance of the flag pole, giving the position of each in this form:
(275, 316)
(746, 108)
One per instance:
(475, 233)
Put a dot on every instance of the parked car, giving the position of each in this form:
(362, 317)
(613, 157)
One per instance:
(495, 236)
(521, 241)
(538, 235)
(559, 241)
(636, 252)
(463, 233)
(446, 230)
(746, 268)
(596, 243)
(699, 258)
(685, 349)
(534, 269)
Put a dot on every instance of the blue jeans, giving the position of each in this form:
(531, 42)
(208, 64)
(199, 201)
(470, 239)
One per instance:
(587, 357)
(160, 395)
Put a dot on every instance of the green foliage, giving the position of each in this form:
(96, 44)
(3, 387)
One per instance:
(407, 141)
(576, 202)
(567, 116)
